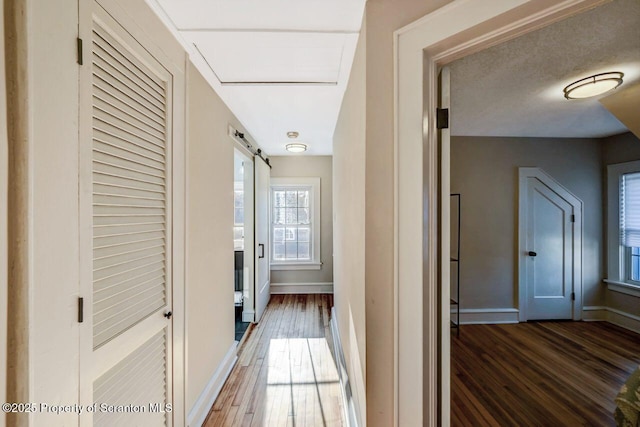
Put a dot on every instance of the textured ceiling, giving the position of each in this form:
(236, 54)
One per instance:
(515, 89)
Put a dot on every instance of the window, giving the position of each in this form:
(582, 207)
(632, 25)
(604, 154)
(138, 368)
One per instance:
(295, 223)
(623, 227)
(630, 224)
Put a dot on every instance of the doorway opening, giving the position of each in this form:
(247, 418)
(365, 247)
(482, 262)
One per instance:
(243, 225)
(523, 182)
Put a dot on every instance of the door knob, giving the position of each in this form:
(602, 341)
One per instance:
(531, 253)
(168, 314)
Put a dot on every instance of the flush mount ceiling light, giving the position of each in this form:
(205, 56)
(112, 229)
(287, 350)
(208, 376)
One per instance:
(296, 147)
(593, 85)
(292, 134)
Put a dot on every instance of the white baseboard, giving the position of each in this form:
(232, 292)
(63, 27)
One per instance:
(594, 313)
(302, 288)
(612, 315)
(350, 412)
(203, 405)
(480, 316)
(626, 320)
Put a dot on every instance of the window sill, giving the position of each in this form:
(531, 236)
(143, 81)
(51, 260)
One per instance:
(297, 266)
(623, 288)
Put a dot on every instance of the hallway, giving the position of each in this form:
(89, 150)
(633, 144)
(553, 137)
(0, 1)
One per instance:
(285, 374)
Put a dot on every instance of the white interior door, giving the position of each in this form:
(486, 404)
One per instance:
(549, 255)
(125, 157)
(262, 224)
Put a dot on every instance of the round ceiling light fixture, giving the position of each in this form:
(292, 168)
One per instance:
(593, 85)
(292, 134)
(296, 147)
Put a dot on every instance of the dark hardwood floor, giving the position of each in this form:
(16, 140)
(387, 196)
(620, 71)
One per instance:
(540, 374)
(285, 374)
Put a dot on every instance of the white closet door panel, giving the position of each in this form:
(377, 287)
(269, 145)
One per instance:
(118, 181)
(108, 66)
(107, 112)
(129, 150)
(128, 164)
(100, 242)
(127, 219)
(115, 295)
(109, 43)
(106, 132)
(129, 228)
(129, 188)
(126, 192)
(104, 61)
(111, 103)
(138, 380)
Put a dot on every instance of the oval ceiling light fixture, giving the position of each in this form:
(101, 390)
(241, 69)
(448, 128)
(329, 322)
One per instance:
(292, 134)
(593, 85)
(296, 147)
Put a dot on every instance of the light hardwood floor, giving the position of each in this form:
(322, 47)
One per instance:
(285, 375)
(540, 374)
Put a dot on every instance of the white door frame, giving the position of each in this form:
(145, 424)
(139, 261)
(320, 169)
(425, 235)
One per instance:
(458, 29)
(523, 248)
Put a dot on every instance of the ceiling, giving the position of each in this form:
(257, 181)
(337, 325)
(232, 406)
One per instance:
(280, 65)
(515, 89)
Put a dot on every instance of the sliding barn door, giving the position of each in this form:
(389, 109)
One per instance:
(262, 224)
(126, 231)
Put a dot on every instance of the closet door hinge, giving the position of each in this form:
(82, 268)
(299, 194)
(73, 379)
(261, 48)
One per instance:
(80, 310)
(573, 218)
(79, 48)
(442, 118)
(573, 296)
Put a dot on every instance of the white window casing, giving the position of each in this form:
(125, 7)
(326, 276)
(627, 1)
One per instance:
(311, 184)
(622, 225)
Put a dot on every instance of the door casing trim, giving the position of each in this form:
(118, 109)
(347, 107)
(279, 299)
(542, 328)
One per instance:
(460, 28)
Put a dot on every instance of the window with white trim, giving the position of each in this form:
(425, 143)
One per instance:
(295, 223)
(623, 227)
(630, 224)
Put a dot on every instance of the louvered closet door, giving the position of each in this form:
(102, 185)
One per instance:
(130, 223)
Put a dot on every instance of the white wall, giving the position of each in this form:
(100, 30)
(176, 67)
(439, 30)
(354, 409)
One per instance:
(485, 171)
(309, 166)
(209, 263)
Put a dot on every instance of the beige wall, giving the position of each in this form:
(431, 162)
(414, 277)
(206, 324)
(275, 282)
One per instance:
(349, 147)
(310, 166)
(209, 261)
(619, 149)
(485, 171)
(363, 159)
(383, 17)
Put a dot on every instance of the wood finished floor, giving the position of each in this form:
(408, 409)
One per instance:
(540, 374)
(285, 374)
